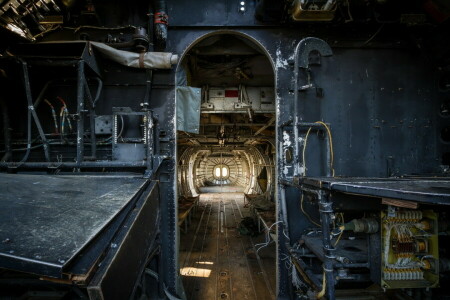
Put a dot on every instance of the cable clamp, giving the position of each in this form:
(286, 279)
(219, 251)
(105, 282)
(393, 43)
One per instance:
(161, 18)
(141, 60)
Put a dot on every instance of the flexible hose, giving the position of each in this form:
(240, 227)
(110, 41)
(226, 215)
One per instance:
(161, 22)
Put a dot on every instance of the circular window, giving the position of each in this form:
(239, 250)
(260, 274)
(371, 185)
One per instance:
(221, 172)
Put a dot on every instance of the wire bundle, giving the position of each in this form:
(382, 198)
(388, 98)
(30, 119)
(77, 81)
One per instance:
(64, 115)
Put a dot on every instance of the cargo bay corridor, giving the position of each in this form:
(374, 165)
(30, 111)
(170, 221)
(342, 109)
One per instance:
(226, 170)
(216, 261)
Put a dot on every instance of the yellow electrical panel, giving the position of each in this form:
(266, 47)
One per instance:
(409, 249)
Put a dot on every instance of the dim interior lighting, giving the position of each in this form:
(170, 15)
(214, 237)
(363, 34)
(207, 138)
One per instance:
(242, 8)
(195, 272)
(242, 3)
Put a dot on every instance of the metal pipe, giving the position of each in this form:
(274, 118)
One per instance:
(330, 167)
(160, 22)
(296, 114)
(42, 93)
(27, 153)
(91, 120)
(80, 112)
(6, 131)
(149, 138)
(99, 90)
(93, 137)
(325, 214)
(310, 124)
(93, 101)
(318, 127)
(88, 93)
(284, 208)
(303, 49)
(32, 113)
(148, 84)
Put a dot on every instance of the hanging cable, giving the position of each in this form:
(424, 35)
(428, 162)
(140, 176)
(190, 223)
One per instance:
(330, 138)
(122, 125)
(305, 213)
(324, 287)
(55, 120)
(304, 151)
(65, 113)
(62, 118)
(341, 228)
(268, 240)
(304, 174)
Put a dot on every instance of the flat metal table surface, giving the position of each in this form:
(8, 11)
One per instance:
(428, 190)
(46, 220)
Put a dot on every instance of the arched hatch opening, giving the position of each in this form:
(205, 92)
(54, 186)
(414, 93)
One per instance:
(226, 116)
(226, 101)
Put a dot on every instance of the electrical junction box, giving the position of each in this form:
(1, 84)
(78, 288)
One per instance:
(409, 249)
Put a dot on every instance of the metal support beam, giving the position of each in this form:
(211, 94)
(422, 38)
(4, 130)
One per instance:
(150, 138)
(32, 114)
(301, 60)
(80, 112)
(91, 119)
(265, 126)
(325, 207)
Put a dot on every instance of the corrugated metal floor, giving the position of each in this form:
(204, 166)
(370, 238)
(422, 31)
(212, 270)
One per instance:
(216, 261)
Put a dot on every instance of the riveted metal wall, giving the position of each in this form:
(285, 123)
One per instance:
(381, 100)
